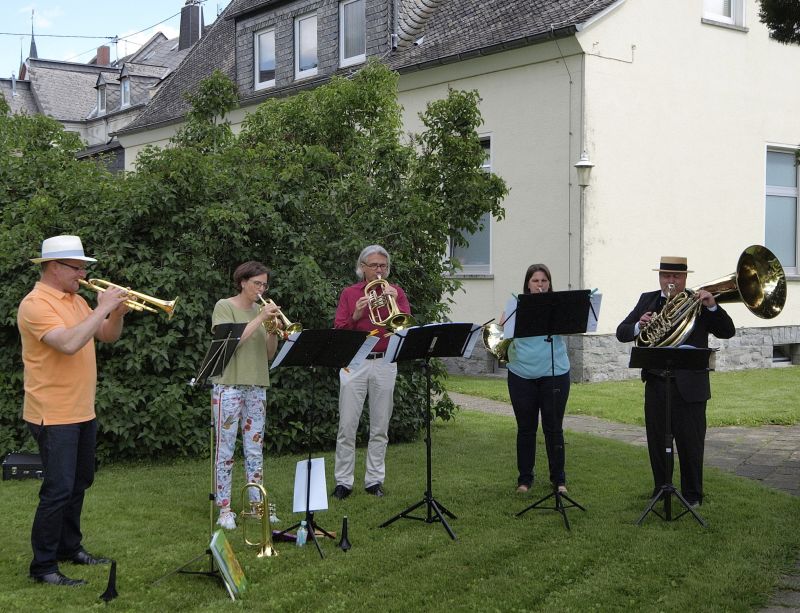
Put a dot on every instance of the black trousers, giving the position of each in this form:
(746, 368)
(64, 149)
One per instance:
(529, 397)
(688, 429)
(67, 453)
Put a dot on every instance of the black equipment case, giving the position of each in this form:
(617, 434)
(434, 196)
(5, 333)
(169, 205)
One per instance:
(19, 465)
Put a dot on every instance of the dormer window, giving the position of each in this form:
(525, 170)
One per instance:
(264, 61)
(125, 91)
(101, 99)
(305, 46)
(352, 33)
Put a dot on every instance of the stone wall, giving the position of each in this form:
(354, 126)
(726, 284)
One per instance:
(600, 357)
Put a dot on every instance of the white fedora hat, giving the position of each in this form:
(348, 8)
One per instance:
(64, 247)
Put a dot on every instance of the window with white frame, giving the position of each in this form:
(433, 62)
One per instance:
(101, 99)
(305, 46)
(781, 227)
(264, 60)
(125, 93)
(724, 11)
(352, 32)
(475, 258)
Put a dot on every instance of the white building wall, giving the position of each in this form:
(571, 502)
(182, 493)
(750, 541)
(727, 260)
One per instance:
(678, 129)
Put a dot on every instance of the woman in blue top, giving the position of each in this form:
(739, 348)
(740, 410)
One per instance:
(530, 385)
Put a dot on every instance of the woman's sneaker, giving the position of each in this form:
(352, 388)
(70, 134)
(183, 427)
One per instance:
(226, 520)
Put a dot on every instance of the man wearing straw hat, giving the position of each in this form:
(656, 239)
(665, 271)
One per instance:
(58, 328)
(690, 388)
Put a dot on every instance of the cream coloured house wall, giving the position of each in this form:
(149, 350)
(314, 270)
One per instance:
(531, 109)
(678, 129)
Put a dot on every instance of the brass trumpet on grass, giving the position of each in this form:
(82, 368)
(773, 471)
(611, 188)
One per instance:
(258, 511)
(136, 301)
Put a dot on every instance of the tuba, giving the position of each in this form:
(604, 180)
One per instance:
(259, 511)
(383, 309)
(759, 282)
(136, 301)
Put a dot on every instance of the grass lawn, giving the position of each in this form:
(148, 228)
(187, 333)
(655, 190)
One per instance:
(739, 398)
(154, 517)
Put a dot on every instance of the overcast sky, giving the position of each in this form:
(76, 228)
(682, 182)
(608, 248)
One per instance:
(100, 19)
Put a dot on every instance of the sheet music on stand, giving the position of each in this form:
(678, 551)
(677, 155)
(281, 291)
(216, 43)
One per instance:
(398, 338)
(359, 357)
(510, 310)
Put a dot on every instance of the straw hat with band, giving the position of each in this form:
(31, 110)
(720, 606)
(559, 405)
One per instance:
(64, 247)
(672, 264)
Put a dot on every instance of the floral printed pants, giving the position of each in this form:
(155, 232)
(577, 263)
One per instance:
(232, 405)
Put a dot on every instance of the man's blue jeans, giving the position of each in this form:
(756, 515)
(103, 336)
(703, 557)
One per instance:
(67, 453)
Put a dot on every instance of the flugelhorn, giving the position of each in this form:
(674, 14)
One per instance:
(759, 282)
(383, 309)
(258, 511)
(271, 325)
(136, 301)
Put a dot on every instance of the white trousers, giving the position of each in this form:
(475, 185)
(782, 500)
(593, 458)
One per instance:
(374, 378)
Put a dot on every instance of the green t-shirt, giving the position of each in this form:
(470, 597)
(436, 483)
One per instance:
(250, 364)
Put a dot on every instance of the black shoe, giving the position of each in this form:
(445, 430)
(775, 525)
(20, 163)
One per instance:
(57, 578)
(86, 558)
(375, 490)
(341, 492)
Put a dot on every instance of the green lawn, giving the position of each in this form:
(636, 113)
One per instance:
(154, 517)
(740, 398)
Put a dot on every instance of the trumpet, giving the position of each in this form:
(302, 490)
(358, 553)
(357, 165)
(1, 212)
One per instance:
(259, 511)
(136, 301)
(271, 325)
(393, 319)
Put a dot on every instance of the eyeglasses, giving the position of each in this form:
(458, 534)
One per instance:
(75, 268)
(377, 266)
(260, 284)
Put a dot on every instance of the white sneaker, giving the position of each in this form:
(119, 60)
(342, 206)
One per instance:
(226, 520)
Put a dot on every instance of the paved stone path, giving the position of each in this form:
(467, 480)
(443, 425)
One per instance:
(770, 454)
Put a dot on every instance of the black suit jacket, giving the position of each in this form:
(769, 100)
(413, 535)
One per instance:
(693, 385)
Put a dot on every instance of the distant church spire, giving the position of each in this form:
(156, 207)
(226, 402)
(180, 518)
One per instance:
(32, 54)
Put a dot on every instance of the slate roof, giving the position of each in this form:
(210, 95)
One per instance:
(457, 29)
(460, 29)
(65, 90)
(24, 101)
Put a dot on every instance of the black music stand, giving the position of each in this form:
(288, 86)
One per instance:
(223, 346)
(327, 347)
(546, 314)
(669, 359)
(426, 342)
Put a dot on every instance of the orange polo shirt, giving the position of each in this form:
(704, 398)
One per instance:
(59, 388)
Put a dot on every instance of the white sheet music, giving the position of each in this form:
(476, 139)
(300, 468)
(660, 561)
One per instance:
(510, 313)
(318, 499)
(595, 299)
(365, 350)
(284, 350)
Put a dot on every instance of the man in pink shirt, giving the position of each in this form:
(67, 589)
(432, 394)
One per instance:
(58, 328)
(374, 378)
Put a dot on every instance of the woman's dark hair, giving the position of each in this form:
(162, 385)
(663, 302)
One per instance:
(536, 268)
(248, 270)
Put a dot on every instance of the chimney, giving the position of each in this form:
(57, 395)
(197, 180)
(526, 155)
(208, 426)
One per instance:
(191, 24)
(103, 56)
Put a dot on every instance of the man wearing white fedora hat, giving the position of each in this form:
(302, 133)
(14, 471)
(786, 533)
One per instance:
(691, 388)
(58, 328)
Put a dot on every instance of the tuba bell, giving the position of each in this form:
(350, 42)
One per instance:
(259, 511)
(759, 282)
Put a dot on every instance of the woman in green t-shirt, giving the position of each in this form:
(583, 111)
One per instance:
(240, 393)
